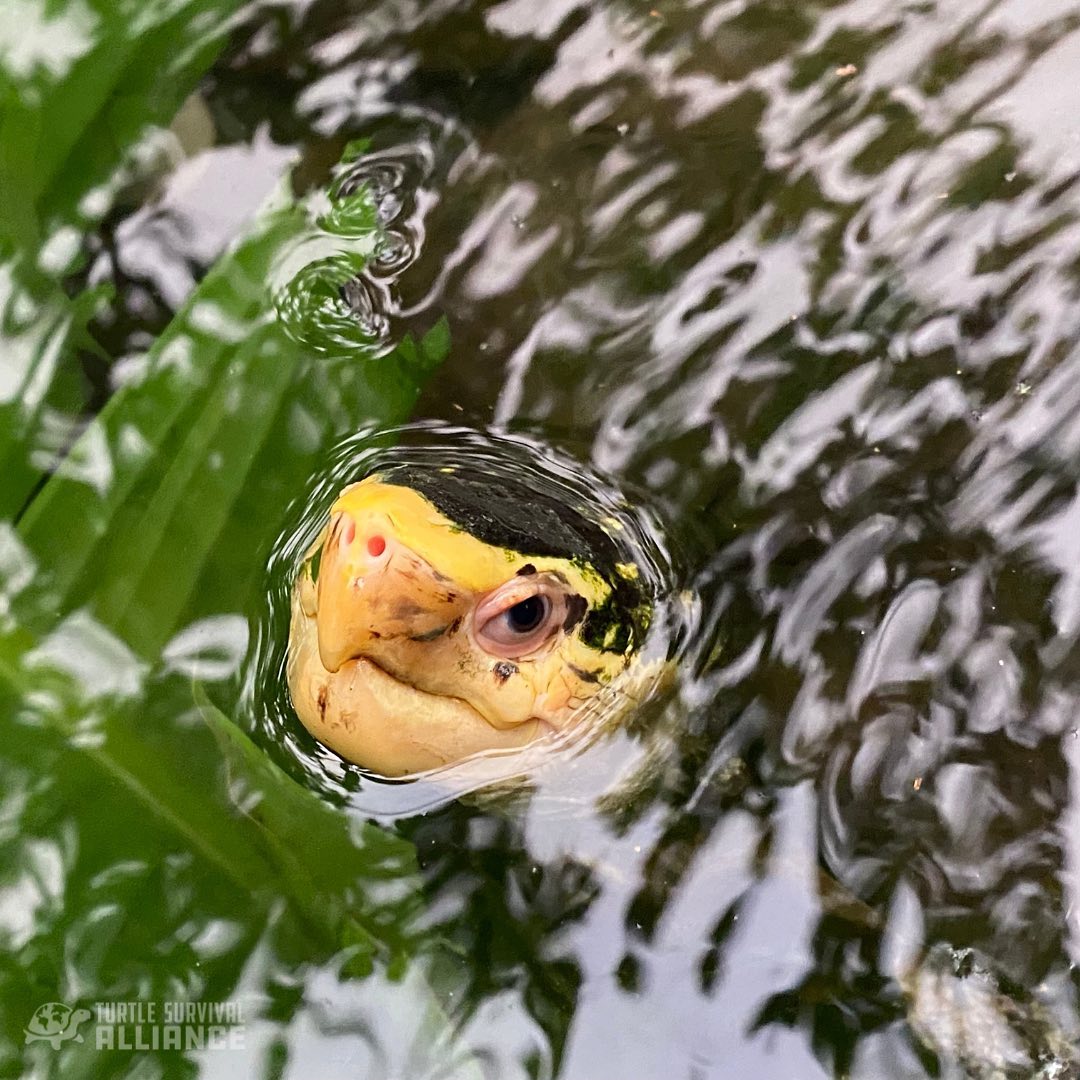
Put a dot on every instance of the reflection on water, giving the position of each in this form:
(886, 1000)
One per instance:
(805, 275)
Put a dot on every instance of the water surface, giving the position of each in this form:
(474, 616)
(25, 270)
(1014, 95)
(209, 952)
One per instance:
(806, 277)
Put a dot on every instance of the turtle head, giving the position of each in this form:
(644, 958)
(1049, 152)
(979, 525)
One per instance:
(438, 616)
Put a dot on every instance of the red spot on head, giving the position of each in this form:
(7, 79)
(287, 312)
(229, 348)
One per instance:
(376, 545)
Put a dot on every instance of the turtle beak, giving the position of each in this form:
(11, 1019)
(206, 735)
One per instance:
(374, 592)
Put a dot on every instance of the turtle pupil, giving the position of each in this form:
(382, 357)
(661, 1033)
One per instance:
(527, 615)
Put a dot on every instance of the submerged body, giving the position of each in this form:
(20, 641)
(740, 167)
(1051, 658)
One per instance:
(437, 617)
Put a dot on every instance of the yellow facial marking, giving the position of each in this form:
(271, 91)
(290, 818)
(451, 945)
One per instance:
(450, 550)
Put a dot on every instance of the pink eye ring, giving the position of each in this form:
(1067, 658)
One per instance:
(518, 618)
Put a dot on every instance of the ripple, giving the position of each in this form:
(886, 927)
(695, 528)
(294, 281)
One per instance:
(344, 303)
(511, 460)
(329, 307)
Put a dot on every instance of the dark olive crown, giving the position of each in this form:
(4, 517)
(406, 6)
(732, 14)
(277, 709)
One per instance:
(530, 522)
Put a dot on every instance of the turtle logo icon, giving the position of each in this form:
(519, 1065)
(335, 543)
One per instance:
(56, 1022)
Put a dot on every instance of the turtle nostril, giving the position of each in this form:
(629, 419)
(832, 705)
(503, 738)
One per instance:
(376, 545)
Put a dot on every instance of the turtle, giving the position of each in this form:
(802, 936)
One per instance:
(56, 1023)
(442, 613)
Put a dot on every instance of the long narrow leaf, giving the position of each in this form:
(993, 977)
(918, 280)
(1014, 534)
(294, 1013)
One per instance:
(68, 124)
(143, 514)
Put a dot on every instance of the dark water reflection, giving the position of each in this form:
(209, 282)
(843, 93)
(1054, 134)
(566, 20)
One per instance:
(809, 275)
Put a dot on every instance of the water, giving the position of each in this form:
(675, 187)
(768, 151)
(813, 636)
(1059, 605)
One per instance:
(801, 277)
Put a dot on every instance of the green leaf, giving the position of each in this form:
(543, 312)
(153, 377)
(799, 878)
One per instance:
(128, 65)
(330, 864)
(174, 494)
(66, 136)
(161, 513)
(435, 344)
(164, 512)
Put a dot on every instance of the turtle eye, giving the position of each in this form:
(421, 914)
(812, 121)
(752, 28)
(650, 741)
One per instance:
(526, 615)
(518, 618)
